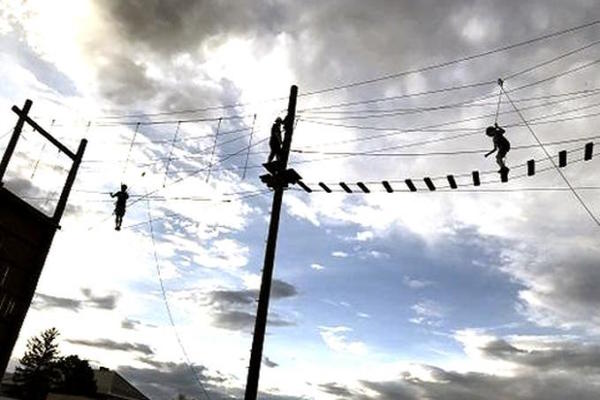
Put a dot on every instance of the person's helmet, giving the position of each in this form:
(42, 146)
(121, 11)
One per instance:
(490, 131)
(278, 120)
(123, 187)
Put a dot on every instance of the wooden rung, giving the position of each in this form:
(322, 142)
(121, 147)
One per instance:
(504, 175)
(476, 180)
(429, 184)
(530, 167)
(562, 158)
(345, 187)
(325, 187)
(387, 186)
(303, 186)
(411, 185)
(452, 182)
(363, 187)
(589, 151)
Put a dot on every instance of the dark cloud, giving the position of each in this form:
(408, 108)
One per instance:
(44, 301)
(108, 344)
(235, 309)
(107, 302)
(242, 320)
(269, 363)
(336, 390)
(129, 323)
(560, 356)
(167, 380)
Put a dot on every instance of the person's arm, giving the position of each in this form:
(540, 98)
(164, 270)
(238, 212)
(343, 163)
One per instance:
(491, 151)
(112, 194)
(499, 130)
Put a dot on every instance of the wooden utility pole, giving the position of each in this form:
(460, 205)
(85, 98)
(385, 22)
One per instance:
(279, 180)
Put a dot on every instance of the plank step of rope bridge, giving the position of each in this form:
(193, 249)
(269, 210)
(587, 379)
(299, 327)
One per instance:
(589, 151)
(345, 187)
(387, 186)
(325, 187)
(562, 158)
(452, 181)
(363, 187)
(476, 180)
(530, 167)
(411, 185)
(429, 183)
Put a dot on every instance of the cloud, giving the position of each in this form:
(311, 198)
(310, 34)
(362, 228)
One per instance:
(235, 309)
(43, 301)
(336, 390)
(317, 267)
(271, 364)
(108, 344)
(335, 338)
(339, 254)
(427, 312)
(129, 323)
(107, 302)
(416, 283)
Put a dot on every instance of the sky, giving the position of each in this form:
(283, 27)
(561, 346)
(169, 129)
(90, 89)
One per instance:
(479, 292)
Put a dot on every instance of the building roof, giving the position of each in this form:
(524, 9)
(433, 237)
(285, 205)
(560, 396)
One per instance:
(111, 383)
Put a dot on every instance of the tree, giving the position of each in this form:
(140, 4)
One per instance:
(77, 377)
(37, 371)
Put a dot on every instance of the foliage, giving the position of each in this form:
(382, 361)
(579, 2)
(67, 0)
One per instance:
(77, 377)
(42, 370)
(37, 371)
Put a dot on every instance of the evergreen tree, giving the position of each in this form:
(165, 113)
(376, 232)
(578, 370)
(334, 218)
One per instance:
(37, 371)
(77, 377)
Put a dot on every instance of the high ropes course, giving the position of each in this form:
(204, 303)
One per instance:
(179, 156)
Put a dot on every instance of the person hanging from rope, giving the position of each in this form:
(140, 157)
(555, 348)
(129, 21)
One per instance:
(501, 144)
(275, 141)
(120, 205)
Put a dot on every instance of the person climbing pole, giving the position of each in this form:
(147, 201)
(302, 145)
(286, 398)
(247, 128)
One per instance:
(275, 141)
(501, 144)
(120, 205)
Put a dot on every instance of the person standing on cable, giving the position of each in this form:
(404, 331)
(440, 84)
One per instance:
(120, 205)
(275, 142)
(500, 143)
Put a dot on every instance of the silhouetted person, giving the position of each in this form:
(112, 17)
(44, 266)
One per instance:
(120, 205)
(500, 143)
(275, 141)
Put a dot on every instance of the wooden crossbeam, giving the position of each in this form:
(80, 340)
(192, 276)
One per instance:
(429, 183)
(303, 186)
(411, 185)
(589, 151)
(325, 187)
(345, 187)
(363, 187)
(530, 167)
(387, 186)
(452, 181)
(562, 158)
(476, 180)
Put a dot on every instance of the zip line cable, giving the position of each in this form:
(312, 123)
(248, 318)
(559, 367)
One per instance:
(168, 307)
(170, 154)
(212, 154)
(249, 144)
(389, 98)
(594, 218)
(137, 127)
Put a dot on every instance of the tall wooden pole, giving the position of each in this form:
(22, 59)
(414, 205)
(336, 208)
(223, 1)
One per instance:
(267, 273)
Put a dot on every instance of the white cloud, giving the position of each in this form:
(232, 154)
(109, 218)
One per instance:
(335, 338)
(317, 267)
(339, 254)
(416, 283)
